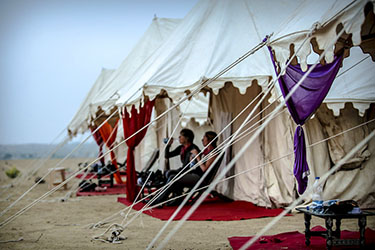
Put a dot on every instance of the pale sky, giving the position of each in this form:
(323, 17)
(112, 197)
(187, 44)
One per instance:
(52, 51)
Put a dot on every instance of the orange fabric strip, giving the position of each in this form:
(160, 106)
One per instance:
(109, 137)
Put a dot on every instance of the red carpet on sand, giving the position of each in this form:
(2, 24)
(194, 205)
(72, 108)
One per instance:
(296, 240)
(116, 189)
(212, 209)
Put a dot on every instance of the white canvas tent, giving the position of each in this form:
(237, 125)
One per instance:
(211, 37)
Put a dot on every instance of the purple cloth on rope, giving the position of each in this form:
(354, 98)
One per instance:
(301, 168)
(303, 103)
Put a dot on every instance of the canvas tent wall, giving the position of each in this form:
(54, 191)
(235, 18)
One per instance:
(211, 37)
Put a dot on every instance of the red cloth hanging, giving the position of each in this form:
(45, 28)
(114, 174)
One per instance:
(99, 141)
(131, 125)
(109, 136)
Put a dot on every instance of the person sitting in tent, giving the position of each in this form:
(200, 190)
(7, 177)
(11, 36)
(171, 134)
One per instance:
(209, 138)
(189, 180)
(185, 150)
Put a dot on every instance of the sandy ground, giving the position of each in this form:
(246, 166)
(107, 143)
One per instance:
(52, 224)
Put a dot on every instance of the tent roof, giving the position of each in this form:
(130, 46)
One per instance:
(212, 36)
(216, 33)
(78, 123)
(158, 31)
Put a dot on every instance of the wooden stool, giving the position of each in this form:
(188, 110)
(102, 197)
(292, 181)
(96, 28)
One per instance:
(52, 183)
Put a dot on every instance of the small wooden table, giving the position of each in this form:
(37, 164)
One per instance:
(52, 182)
(333, 237)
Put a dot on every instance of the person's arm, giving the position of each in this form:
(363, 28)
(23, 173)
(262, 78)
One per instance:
(175, 152)
(193, 153)
(207, 164)
(204, 165)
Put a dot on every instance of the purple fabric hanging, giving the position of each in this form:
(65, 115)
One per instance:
(303, 103)
(301, 168)
(311, 92)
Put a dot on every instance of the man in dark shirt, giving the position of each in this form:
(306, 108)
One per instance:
(186, 139)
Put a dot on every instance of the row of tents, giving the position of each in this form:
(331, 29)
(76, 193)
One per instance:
(176, 57)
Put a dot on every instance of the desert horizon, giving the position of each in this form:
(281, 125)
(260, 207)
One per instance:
(42, 150)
